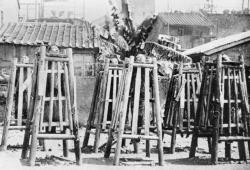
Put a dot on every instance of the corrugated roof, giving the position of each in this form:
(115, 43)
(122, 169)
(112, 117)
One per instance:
(220, 44)
(193, 19)
(59, 34)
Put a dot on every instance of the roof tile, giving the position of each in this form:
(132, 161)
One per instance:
(60, 34)
(185, 19)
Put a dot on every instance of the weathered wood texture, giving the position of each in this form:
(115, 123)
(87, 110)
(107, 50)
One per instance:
(103, 100)
(133, 118)
(52, 112)
(182, 100)
(18, 97)
(223, 109)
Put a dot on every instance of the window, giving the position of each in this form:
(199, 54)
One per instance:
(84, 65)
(180, 31)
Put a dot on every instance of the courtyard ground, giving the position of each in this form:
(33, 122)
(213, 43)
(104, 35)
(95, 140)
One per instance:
(51, 158)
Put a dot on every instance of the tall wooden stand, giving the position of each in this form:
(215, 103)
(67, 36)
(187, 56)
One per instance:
(19, 86)
(53, 110)
(182, 100)
(223, 109)
(132, 118)
(102, 105)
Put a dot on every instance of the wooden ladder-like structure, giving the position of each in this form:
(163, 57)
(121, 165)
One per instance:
(130, 119)
(103, 102)
(53, 110)
(223, 109)
(182, 101)
(19, 90)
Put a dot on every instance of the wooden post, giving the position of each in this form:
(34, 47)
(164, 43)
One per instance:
(218, 106)
(9, 106)
(158, 112)
(72, 84)
(100, 105)
(37, 110)
(92, 111)
(124, 110)
(26, 139)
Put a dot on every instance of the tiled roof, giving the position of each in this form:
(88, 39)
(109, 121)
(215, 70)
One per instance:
(59, 34)
(193, 19)
(220, 44)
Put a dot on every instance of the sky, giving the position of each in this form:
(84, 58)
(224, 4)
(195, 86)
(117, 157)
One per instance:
(94, 8)
(97, 8)
(189, 5)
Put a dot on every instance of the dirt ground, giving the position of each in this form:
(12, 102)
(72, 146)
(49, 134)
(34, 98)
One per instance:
(50, 159)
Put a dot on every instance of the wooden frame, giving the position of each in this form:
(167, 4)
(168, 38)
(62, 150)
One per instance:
(103, 97)
(44, 88)
(224, 111)
(125, 118)
(19, 85)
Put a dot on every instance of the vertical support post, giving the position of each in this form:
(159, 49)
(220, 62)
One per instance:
(37, 109)
(9, 106)
(72, 84)
(20, 97)
(100, 105)
(124, 110)
(30, 113)
(158, 112)
(218, 108)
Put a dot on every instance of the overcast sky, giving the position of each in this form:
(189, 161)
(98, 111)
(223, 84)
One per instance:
(96, 8)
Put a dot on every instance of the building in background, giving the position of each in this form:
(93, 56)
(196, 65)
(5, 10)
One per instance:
(24, 39)
(191, 29)
(9, 11)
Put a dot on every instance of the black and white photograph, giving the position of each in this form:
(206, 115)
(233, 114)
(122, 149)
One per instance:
(121, 84)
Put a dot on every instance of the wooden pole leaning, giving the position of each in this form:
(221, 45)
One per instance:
(20, 77)
(223, 113)
(134, 91)
(103, 103)
(53, 109)
(182, 100)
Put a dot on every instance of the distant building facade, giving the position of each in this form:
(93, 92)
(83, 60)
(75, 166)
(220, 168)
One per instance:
(191, 29)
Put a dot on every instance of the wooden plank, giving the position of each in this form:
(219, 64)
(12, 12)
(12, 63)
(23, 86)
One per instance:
(188, 100)
(9, 106)
(229, 103)
(20, 97)
(222, 101)
(101, 104)
(67, 94)
(55, 136)
(52, 86)
(146, 106)
(29, 75)
(124, 110)
(208, 96)
(36, 116)
(136, 100)
(107, 89)
(115, 78)
(115, 113)
(158, 112)
(59, 86)
(236, 120)
(195, 100)
(182, 103)
(44, 93)
(27, 132)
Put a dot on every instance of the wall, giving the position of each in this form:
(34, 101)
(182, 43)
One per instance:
(84, 84)
(10, 10)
